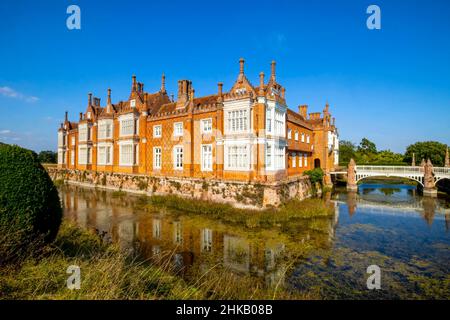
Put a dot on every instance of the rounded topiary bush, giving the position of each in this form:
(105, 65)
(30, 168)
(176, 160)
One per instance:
(29, 202)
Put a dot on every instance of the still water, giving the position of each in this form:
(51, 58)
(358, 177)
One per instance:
(390, 226)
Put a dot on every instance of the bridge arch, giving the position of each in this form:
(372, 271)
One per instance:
(362, 176)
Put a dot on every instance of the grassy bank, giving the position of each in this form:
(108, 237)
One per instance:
(107, 273)
(290, 212)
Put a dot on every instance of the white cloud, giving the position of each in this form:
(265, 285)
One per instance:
(6, 131)
(11, 93)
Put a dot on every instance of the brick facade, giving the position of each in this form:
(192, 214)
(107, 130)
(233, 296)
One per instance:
(245, 134)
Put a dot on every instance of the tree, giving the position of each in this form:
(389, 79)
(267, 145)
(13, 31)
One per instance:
(433, 150)
(387, 157)
(367, 147)
(347, 150)
(47, 157)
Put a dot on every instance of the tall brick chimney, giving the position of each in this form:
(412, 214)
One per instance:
(184, 91)
(261, 84)
(89, 99)
(133, 83)
(66, 116)
(303, 110)
(272, 70)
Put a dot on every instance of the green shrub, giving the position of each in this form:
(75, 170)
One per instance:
(315, 175)
(29, 201)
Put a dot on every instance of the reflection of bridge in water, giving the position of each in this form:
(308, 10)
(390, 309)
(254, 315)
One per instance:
(429, 208)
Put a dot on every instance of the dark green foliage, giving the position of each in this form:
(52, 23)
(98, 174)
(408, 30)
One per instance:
(315, 175)
(347, 151)
(433, 150)
(367, 147)
(29, 202)
(47, 157)
(367, 153)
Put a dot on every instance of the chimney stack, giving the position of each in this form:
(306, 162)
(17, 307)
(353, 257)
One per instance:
(184, 92)
(108, 101)
(241, 65)
(133, 86)
(220, 87)
(283, 92)
(272, 70)
(261, 83)
(81, 116)
(66, 116)
(89, 99)
(303, 110)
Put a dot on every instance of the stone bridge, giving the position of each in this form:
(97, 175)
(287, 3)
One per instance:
(425, 174)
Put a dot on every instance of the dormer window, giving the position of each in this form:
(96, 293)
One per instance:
(133, 103)
(89, 115)
(241, 91)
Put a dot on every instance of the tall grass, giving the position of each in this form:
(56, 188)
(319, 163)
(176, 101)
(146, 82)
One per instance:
(108, 273)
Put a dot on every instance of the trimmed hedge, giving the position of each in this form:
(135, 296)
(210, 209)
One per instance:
(29, 202)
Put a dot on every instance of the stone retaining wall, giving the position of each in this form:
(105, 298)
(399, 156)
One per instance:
(239, 194)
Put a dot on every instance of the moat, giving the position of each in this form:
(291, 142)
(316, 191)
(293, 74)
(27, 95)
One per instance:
(391, 226)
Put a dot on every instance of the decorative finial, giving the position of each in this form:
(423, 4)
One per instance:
(447, 160)
(163, 83)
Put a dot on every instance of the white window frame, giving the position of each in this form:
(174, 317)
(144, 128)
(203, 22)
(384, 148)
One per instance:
(83, 132)
(133, 103)
(133, 159)
(269, 153)
(206, 165)
(105, 129)
(178, 129)
(106, 157)
(128, 125)
(157, 131)
(308, 138)
(82, 155)
(289, 134)
(305, 156)
(296, 135)
(206, 125)
(72, 157)
(177, 159)
(303, 137)
(157, 158)
(294, 160)
(237, 157)
(238, 120)
(300, 160)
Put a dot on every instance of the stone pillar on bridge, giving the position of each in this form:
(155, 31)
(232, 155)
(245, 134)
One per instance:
(351, 176)
(447, 160)
(429, 187)
(413, 162)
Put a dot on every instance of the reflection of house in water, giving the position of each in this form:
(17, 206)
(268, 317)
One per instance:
(236, 253)
(206, 239)
(178, 241)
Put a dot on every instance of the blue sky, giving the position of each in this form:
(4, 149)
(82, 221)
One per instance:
(390, 85)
